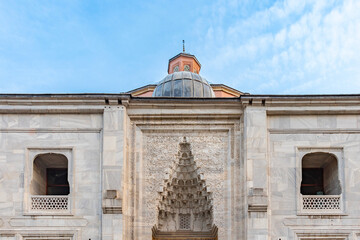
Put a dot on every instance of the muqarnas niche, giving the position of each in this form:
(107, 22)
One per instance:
(185, 205)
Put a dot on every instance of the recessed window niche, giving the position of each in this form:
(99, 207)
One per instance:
(48, 182)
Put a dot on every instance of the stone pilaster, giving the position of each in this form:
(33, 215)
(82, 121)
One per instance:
(112, 170)
(255, 153)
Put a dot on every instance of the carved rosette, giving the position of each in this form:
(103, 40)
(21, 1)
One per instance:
(185, 203)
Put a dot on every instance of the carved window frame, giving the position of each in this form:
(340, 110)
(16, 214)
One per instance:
(45, 236)
(31, 154)
(338, 152)
(322, 235)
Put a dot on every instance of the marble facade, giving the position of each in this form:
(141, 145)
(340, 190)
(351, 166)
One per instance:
(119, 147)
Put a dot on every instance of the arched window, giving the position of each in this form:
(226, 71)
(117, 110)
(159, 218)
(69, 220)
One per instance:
(50, 175)
(320, 174)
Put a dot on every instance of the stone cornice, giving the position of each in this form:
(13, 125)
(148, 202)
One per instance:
(62, 99)
(50, 109)
(167, 100)
(315, 110)
(125, 99)
(300, 100)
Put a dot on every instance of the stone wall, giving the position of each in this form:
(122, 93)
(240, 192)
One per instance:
(290, 138)
(216, 149)
(22, 136)
(38, 182)
(119, 155)
(332, 185)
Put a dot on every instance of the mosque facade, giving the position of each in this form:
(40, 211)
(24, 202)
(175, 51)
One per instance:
(182, 159)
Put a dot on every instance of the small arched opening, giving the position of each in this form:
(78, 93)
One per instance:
(50, 175)
(320, 174)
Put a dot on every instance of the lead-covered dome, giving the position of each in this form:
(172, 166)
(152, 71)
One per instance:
(183, 84)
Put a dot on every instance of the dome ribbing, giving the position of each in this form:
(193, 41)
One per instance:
(183, 84)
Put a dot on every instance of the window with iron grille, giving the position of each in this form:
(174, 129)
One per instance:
(184, 220)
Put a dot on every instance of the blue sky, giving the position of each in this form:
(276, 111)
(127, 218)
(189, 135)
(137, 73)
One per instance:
(260, 47)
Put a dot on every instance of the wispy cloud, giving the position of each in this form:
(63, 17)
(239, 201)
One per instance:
(268, 46)
(294, 47)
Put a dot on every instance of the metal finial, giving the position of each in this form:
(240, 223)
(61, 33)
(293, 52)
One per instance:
(183, 45)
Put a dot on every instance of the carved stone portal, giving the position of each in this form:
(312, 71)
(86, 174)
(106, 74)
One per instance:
(185, 208)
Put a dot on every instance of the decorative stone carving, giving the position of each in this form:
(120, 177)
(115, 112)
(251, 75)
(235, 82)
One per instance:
(257, 200)
(185, 202)
(112, 203)
(211, 152)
